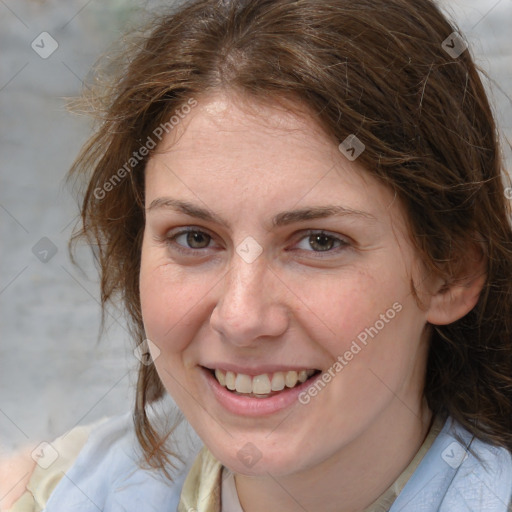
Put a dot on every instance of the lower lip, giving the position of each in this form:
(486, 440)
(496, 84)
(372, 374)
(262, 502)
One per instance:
(250, 406)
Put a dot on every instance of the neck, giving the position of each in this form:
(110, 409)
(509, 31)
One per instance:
(355, 476)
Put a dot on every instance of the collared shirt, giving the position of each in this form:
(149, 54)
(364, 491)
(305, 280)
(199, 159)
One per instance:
(458, 473)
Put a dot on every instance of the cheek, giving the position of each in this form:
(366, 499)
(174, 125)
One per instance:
(170, 300)
(375, 328)
(350, 305)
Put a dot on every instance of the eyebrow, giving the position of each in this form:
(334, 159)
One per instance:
(281, 219)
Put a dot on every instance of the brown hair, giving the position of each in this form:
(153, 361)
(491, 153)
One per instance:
(373, 68)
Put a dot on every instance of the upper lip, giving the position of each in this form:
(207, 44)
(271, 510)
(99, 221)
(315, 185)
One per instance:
(256, 370)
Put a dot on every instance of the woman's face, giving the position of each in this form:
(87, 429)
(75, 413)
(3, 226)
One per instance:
(269, 258)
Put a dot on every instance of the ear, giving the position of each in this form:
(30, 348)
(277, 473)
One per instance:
(452, 301)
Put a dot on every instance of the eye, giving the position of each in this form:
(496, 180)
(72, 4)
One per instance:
(320, 242)
(189, 240)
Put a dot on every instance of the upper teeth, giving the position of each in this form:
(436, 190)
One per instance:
(261, 384)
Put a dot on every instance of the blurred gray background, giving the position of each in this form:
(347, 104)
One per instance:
(53, 373)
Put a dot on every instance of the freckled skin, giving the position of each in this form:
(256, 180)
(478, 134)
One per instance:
(291, 306)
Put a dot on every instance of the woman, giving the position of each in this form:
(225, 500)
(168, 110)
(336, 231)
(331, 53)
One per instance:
(302, 205)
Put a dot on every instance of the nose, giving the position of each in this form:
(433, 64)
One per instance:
(250, 305)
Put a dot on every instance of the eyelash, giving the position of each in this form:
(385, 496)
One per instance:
(170, 240)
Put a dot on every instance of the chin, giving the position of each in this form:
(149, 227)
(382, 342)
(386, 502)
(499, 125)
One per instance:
(259, 458)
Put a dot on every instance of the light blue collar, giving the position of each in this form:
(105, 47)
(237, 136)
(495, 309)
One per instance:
(451, 479)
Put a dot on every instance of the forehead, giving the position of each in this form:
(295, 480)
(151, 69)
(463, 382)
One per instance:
(232, 127)
(229, 145)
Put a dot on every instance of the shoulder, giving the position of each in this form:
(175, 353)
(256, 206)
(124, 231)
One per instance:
(28, 478)
(460, 473)
(482, 471)
(469, 455)
(109, 474)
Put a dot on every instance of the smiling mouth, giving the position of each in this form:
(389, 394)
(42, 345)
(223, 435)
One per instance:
(264, 385)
